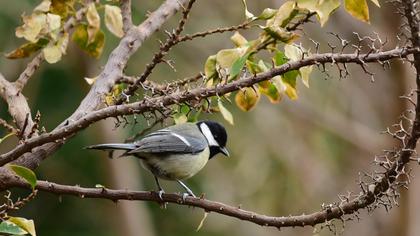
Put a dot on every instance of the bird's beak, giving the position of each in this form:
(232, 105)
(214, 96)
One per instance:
(224, 151)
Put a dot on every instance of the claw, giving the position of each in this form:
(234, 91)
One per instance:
(160, 193)
(184, 196)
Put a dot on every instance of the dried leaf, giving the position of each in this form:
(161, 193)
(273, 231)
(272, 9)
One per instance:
(247, 99)
(113, 20)
(32, 27)
(80, 37)
(27, 49)
(44, 6)
(94, 22)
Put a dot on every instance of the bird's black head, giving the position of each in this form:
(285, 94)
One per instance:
(216, 137)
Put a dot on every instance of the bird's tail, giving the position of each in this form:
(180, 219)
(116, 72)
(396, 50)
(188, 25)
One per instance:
(114, 146)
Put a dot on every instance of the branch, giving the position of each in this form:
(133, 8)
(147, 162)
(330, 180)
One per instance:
(18, 107)
(126, 15)
(112, 71)
(195, 95)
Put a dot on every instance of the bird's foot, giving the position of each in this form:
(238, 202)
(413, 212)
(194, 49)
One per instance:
(185, 195)
(160, 194)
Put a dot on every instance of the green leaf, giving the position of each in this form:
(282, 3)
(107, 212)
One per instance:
(267, 14)
(280, 34)
(25, 173)
(289, 79)
(210, 67)
(270, 91)
(358, 9)
(80, 37)
(113, 20)
(280, 58)
(27, 49)
(323, 8)
(294, 54)
(25, 224)
(247, 99)
(7, 227)
(238, 65)
(225, 112)
(226, 57)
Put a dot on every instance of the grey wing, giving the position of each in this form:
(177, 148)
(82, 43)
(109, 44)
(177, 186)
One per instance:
(169, 141)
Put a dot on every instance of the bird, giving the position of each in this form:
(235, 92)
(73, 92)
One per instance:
(177, 152)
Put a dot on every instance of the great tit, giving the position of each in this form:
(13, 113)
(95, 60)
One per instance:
(176, 152)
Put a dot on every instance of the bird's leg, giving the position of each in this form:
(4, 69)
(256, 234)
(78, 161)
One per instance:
(187, 189)
(161, 192)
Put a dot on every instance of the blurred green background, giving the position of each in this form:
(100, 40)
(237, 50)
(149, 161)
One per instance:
(286, 158)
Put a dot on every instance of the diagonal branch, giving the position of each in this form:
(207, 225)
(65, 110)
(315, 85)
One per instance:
(112, 71)
(197, 94)
(18, 107)
(126, 15)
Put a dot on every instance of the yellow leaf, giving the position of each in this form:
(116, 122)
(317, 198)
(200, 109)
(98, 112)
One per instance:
(180, 118)
(238, 39)
(25, 224)
(32, 27)
(94, 22)
(279, 84)
(304, 73)
(54, 22)
(226, 57)
(323, 8)
(283, 14)
(294, 54)
(44, 6)
(225, 112)
(358, 9)
(210, 67)
(247, 99)
(113, 20)
(52, 53)
(291, 92)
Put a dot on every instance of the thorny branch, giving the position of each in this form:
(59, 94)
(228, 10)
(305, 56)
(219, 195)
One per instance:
(197, 94)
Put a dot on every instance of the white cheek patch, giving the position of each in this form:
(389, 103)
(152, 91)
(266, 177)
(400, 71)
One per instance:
(207, 133)
(184, 140)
